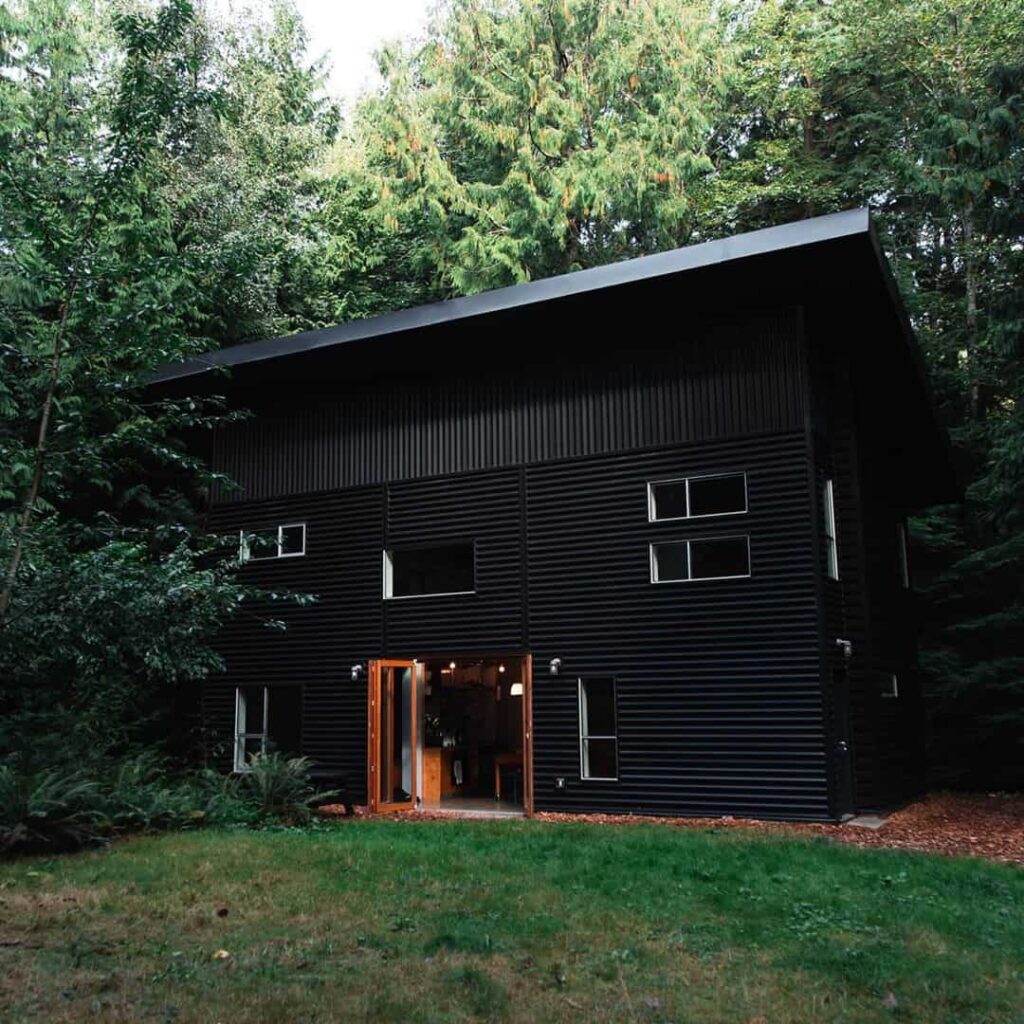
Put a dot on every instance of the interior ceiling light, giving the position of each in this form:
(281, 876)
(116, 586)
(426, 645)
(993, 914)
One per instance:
(516, 690)
(451, 664)
(501, 668)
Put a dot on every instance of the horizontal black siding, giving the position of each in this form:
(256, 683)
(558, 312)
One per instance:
(342, 568)
(719, 692)
(482, 507)
(725, 378)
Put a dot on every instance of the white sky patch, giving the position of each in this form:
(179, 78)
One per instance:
(347, 32)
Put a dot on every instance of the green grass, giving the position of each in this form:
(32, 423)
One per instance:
(391, 920)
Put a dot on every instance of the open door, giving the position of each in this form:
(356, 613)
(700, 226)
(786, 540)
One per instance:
(528, 735)
(392, 739)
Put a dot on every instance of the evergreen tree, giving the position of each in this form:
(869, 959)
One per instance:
(531, 138)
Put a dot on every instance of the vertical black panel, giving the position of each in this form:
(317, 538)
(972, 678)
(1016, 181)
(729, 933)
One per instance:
(730, 377)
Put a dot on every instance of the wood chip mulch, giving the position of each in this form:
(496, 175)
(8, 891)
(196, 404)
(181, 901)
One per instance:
(955, 824)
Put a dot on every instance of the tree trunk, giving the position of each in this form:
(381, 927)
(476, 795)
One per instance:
(42, 440)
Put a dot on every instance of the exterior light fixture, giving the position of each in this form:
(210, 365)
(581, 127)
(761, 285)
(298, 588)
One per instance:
(451, 665)
(554, 666)
(356, 672)
(516, 690)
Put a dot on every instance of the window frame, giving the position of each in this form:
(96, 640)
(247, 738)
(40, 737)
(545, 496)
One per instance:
(902, 557)
(652, 506)
(584, 738)
(245, 556)
(690, 578)
(241, 763)
(387, 574)
(829, 533)
(892, 690)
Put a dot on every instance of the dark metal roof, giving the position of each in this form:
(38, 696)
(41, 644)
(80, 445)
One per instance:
(723, 252)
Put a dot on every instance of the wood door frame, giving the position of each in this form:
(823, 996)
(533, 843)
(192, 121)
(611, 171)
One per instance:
(528, 735)
(373, 738)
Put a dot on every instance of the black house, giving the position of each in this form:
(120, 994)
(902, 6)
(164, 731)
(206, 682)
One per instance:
(626, 540)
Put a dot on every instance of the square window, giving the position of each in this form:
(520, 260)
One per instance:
(668, 500)
(719, 558)
(718, 495)
(293, 540)
(670, 561)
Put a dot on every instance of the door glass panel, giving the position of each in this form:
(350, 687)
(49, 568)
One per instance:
(396, 735)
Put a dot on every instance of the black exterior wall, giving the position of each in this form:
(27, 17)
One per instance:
(719, 696)
(720, 700)
(533, 432)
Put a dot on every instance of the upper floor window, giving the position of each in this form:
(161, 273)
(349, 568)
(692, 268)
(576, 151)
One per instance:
(901, 555)
(437, 569)
(709, 558)
(696, 497)
(287, 541)
(831, 546)
(891, 686)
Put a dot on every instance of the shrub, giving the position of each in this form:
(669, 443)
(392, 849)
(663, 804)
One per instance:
(142, 794)
(47, 811)
(281, 787)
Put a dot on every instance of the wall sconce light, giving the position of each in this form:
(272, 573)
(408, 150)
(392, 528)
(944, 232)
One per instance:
(356, 672)
(554, 666)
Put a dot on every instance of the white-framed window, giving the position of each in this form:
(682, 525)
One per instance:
(267, 718)
(704, 558)
(901, 555)
(891, 686)
(599, 754)
(697, 497)
(831, 544)
(285, 541)
(430, 570)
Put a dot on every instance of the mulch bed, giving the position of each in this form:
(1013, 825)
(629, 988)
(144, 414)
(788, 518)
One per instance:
(954, 824)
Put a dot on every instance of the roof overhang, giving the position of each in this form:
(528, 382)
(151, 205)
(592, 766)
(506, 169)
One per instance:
(835, 258)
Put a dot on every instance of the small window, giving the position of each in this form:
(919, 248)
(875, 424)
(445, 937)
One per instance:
(712, 558)
(288, 541)
(697, 497)
(420, 571)
(891, 687)
(901, 555)
(267, 719)
(598, 730)
(831, 547)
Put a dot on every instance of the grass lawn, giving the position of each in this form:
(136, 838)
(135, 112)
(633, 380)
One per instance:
(521, 921)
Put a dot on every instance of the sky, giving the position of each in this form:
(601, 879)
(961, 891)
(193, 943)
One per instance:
(348, 31)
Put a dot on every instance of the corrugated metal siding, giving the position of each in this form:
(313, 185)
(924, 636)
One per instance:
(485, 508)
(731, 377)
(866, 605)
(342, 567)
(719, 692)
